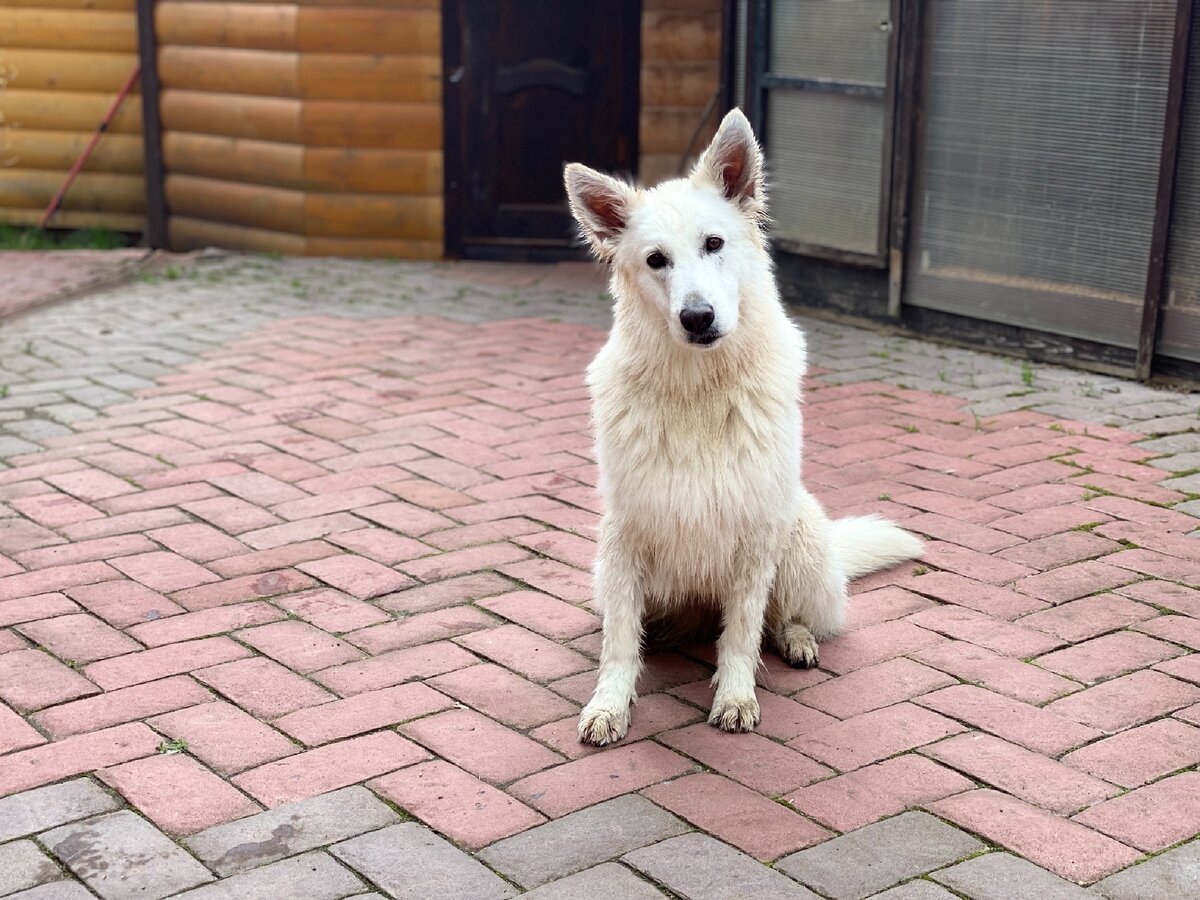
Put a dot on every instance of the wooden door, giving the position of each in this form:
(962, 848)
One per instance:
(532, 85)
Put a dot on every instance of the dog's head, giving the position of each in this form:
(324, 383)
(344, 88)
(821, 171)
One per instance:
(688, 244)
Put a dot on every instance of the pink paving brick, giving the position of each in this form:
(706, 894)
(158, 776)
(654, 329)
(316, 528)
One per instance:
(986, 598)
(258, 489)
(451, 592)
(1064, 847)
(40, 606)
(1059, 550)
(204, 623)
(16, 733)
(981, 538)
(660, 671)
(1174, 597)
(874, 792)
(1108, 656)
(381, 545)
(1020, 772)
(480, 745)
(1183, 630)
(782, 719)
(1089, 617)
(90, 484)
(332, 610)
(462, 562)
(883, 605)
(1186, 668)
(58, 578)
(47, 763)
(875, 735)
(1143, 513)
(357, 576)
(120, 706)
(158, 785)
(875, 644)
(737, 815)
(1006, 638)
(364, 712)
(1032, 727)
(551, 577)
(1153, 817)
(106, 548)
(198, 542)
(395, 667)
(406, 519)
(258, 561)
(299, 646)
(500, 694)
(1149, 562)
(124, 603)
(263, 687)
(460, 806)
(1075, 580)
(78, 638)
(1126, 701)
(422, 628)
(1142, 754)
(231, 514)
(610, 773)
(294, 532)
(972, 564)
(224, 737)
(164, 571)
(329, 768)
(873, 687)
(33, 679)
(55, 510)
(1001, 674)
(248, 587)
(526, 653)
(652, 714)
(752, 759)
(544, 614)
(483, 533)
(967, 510)
(149, 665)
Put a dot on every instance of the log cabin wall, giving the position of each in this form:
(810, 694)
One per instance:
(681, 51)
(312, 127)
(62, 62)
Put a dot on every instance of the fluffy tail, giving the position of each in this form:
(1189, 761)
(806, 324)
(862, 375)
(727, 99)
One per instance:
(866, 544)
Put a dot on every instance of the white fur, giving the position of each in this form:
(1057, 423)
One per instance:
(699, 446)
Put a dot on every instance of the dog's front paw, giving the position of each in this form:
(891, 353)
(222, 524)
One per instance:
(599, 725)
(734, 714)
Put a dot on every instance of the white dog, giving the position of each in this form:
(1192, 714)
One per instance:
(696, 401)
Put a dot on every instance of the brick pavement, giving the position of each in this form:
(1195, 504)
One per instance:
(294, 603)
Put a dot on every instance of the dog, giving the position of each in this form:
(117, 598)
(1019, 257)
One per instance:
(696, 406)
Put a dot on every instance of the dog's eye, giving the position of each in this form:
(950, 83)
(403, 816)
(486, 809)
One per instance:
(656, 260)
(713, 244)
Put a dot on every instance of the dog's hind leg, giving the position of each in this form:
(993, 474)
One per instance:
(739, 649)
(620, 595)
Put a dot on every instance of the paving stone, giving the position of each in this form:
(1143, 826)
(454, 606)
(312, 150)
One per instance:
(609, 880)
(410, 862)
(1153, 817)
(290, 829)
(122, 856)
(697, 867)
(1134, 757)
(23, 865)
(581, 839)
(1174, 874)
(1002, 876)
(870, 859)
(915, 890)
(48, 807)
(310, 876)
(56, 890)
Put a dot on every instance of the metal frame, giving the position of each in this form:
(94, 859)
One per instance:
(155, 174)
(910, 26)
(1156, 269)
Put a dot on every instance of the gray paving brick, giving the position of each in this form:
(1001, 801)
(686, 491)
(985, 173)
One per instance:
(123, 857)
(915, 890)
(310, 876)
(581, 839)
(1174, 875)
(1191, 507)
(1189, 484)
(698, 867)
(870, 859)
(1180, 462)
(23, 865)
(411, 862)
(56, 890)
(1002, 876)
(48, 807)
(290, 829)
(609, 881)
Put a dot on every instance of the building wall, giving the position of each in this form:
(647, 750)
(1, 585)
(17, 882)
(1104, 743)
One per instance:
(61, 64)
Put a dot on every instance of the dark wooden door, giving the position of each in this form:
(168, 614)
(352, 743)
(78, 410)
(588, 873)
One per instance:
(532, 85)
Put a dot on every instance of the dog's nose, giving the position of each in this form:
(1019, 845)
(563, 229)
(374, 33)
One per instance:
(698, 318)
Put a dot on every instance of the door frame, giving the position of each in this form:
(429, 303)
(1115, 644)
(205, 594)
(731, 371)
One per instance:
(455, 138)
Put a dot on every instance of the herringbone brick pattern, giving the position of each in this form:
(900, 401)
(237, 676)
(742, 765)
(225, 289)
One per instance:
(337, 561)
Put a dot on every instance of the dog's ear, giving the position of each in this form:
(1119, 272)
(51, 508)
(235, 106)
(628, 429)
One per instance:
(600, 205)
(733, 163)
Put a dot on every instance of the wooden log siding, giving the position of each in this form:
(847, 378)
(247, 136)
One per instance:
(64, 61)
(310, 127)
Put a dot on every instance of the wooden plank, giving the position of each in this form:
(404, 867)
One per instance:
(671, 34)
(679, 82)
(249, 26)
(56, 29)
(372, 4)
(66, 218)
(358, 170)
(67, 111)
(373, 248)
(655, 168)
(91, 192)
(187, 233)
(232, 115)
(21, 148)
(234, 159)
(345, 123)
(115, 5)
(69, 70)
(669, 129)
(358, 30)
(354, 76)
(373, 216)
(251, 205)
(267, 73)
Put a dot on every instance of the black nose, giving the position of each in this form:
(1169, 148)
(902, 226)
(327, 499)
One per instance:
(697, 319)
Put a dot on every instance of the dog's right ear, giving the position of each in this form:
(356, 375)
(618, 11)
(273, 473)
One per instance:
(600, 205)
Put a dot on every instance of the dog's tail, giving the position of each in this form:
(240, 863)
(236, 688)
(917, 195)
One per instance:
(866, 544)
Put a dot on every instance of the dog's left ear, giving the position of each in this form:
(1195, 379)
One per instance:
(600, 205)
(733, 163)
